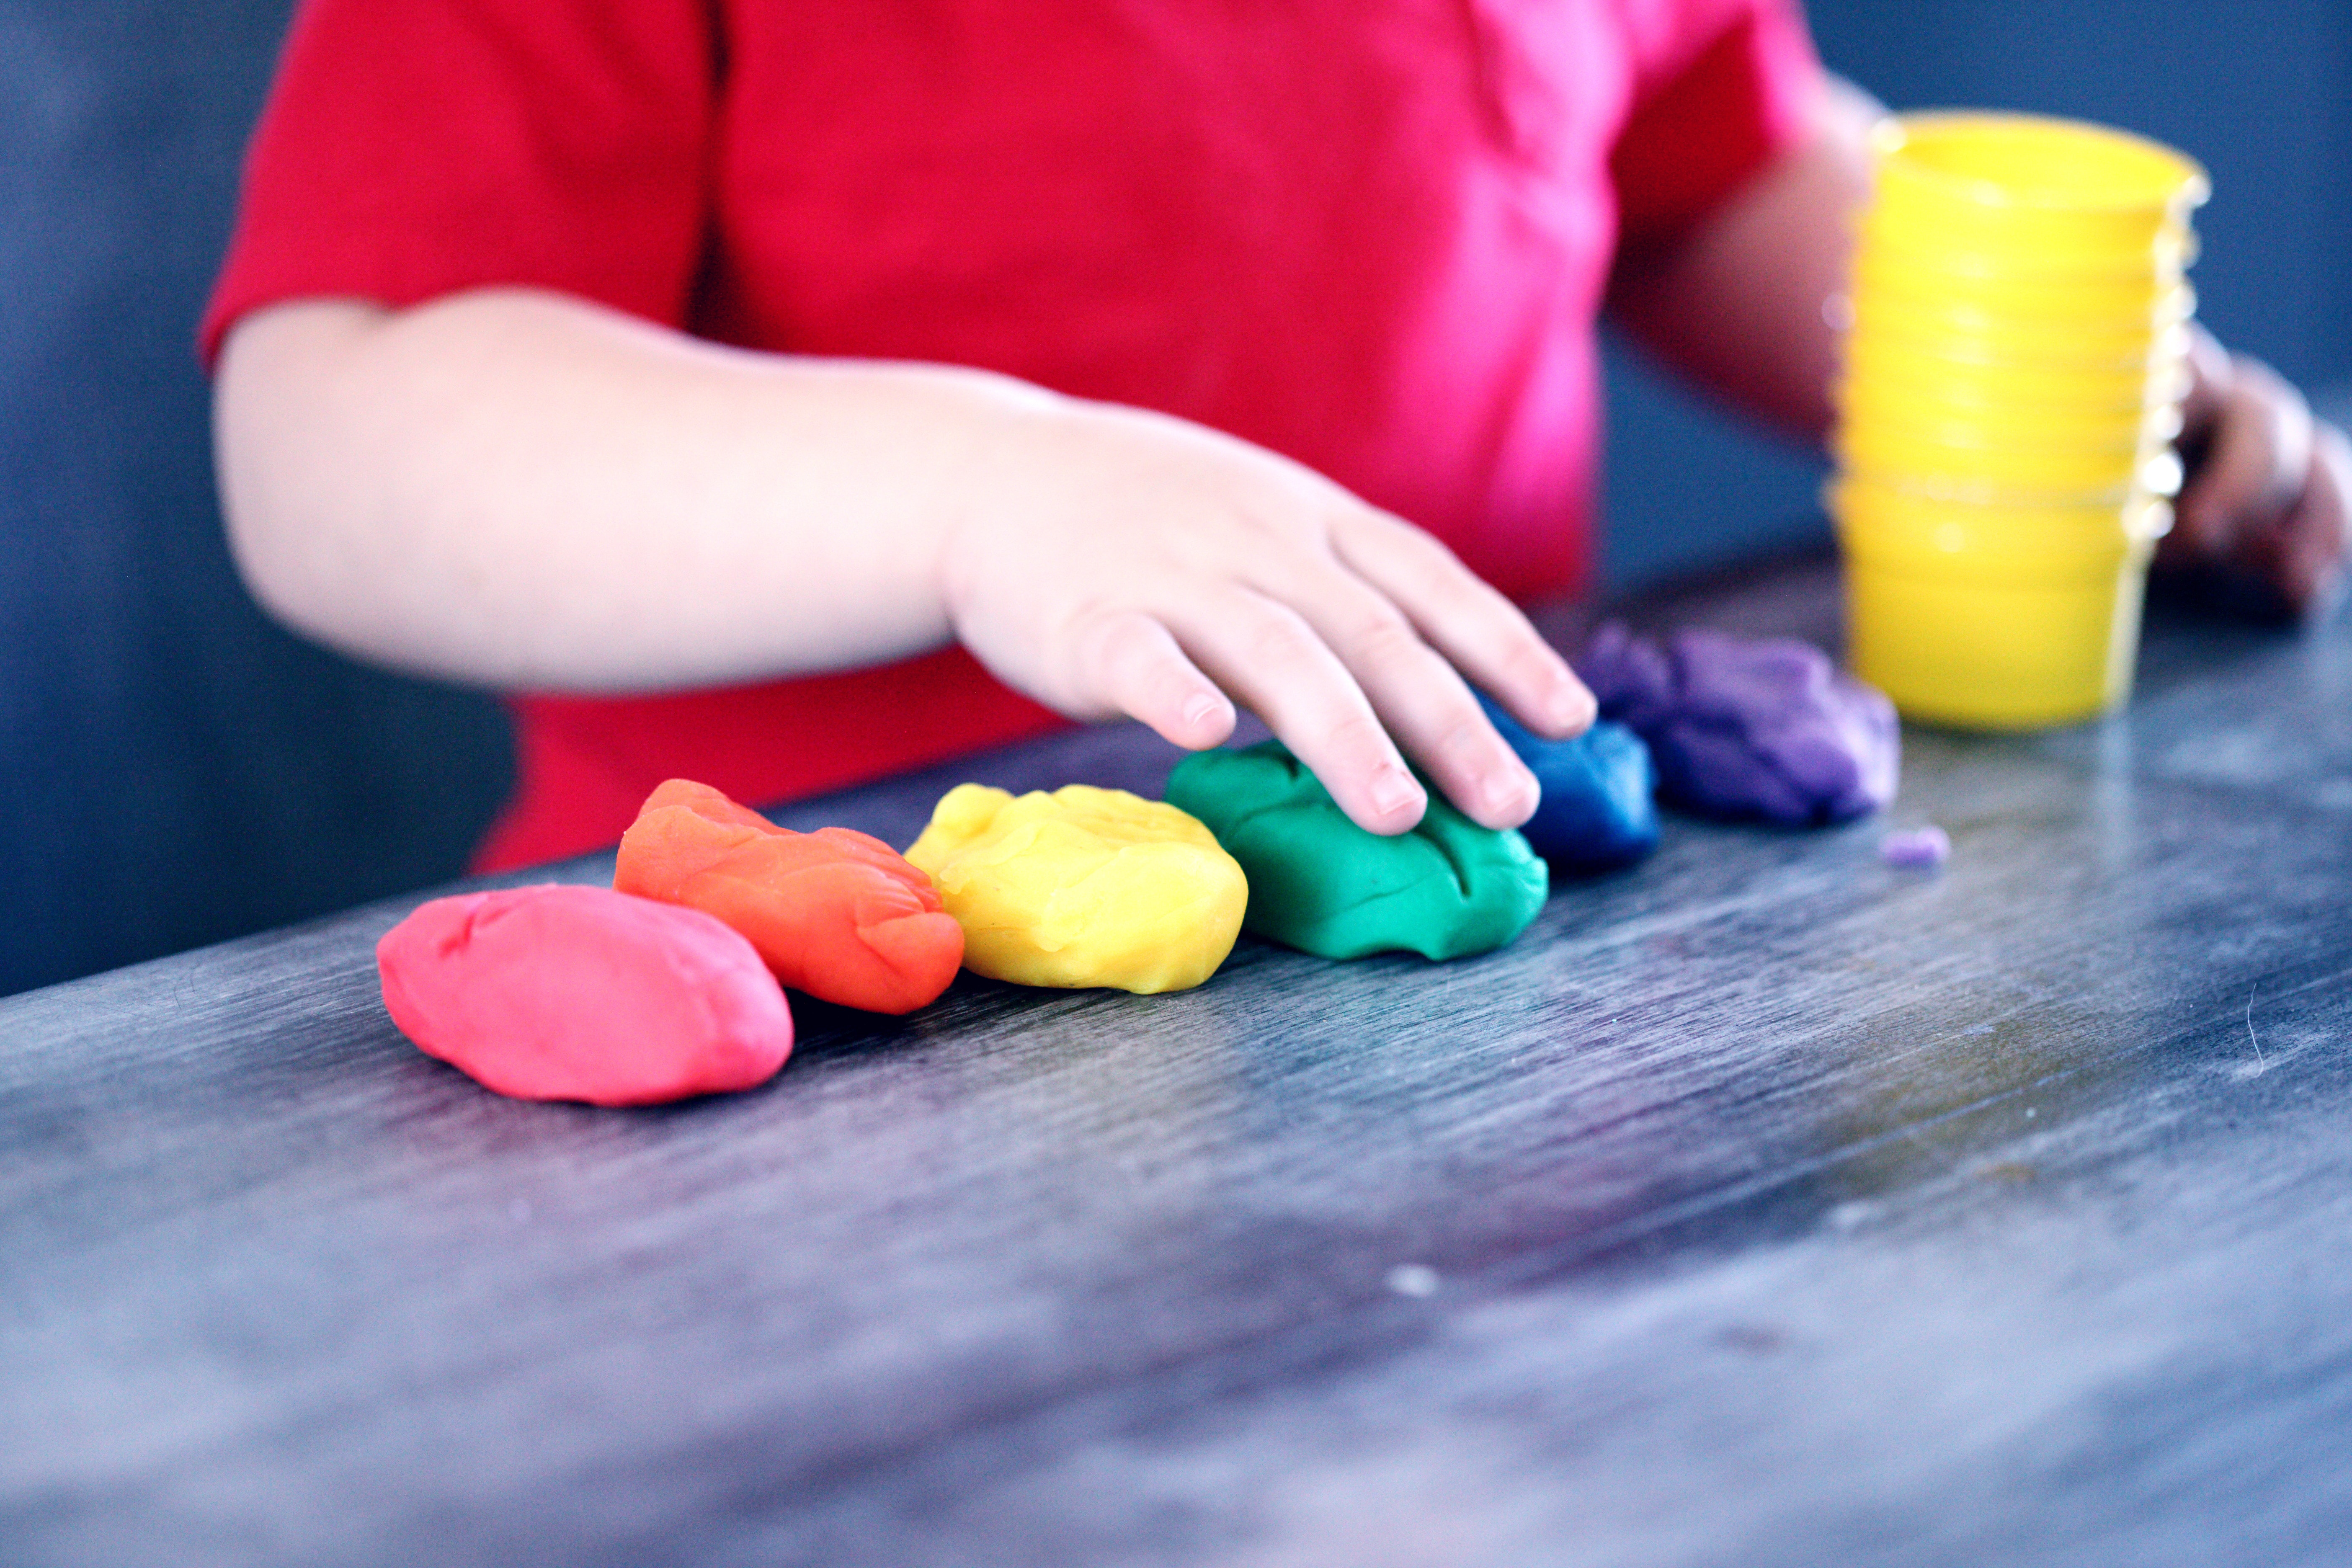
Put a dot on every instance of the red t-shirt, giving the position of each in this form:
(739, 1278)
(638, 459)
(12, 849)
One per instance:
(1373, 235)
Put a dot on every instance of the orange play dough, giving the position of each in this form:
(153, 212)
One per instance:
(835, 913)
(571, 992)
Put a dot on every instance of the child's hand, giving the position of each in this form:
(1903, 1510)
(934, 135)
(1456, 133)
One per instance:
(1121, 562)
(2270, 492)
(519, 489)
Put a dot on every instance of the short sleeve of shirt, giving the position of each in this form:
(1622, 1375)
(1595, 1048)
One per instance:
(412, 148)
(1722, 88)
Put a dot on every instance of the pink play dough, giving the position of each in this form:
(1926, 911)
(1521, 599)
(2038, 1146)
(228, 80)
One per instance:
(576, 993)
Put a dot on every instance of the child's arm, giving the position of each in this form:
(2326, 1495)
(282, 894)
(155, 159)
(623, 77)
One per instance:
(519, 489)
(1741, 302)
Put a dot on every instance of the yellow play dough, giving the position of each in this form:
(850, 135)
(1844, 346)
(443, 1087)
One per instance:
(1082, 887)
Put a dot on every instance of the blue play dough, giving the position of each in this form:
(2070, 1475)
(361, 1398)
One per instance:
(1598, 810)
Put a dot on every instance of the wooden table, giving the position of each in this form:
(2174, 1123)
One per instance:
(1763, 1205)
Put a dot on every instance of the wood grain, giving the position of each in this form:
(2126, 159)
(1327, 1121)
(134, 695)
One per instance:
(1763, 1204)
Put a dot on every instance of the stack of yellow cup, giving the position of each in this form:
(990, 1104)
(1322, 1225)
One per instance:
(2011, 388)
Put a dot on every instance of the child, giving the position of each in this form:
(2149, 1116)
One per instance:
(785, 395)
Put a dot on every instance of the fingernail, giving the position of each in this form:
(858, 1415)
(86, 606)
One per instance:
(1393, 790)
(1201, 709)
(1572, 705)
(1507, 792)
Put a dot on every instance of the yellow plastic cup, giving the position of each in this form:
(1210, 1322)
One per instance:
(1998, 530)
(2020, 650)
(2136, 293)
(2022, 185)
(2044, 249)
(1931, 394)
(1905, 456)
(2130, 349)
(1884, 359)
(2137, 318)
(2012, 382)
(2128, 427)
(1994, 617)
(1944, 252)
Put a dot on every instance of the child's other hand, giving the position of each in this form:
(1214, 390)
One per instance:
(1115, 560)
(2269, 493)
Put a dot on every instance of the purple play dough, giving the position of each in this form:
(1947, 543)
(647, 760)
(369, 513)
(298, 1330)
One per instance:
(1921, 848)
(1742, 729)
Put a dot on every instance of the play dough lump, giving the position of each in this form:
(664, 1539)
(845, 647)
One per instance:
(835, 913)
(1739, 728)
(571, 992)
(1319, 883)
(1082, 887)
(1598, 811)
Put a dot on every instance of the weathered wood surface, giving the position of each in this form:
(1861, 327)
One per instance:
(1763, 1205)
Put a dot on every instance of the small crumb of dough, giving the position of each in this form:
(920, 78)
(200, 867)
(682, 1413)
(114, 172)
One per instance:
(574, 992)
(1916, 848)
(835, 913)
(1416, 1280)
(1082, 887)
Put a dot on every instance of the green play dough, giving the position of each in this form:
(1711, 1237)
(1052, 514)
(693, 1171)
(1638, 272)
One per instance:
(1319, 883)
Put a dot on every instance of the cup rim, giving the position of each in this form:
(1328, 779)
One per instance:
(2123, 354)
(1962, 426)
(1907, 295)
(1992, 472)
(1900, 139)
(1907, 362)
(2138, 514)
(2002, 471)
(2159, 475)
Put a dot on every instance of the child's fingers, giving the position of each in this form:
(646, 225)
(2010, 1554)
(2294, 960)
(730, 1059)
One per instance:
(1481, 632)
(1422, 700)
(1266, 654)
(2258, 455)
(2319, 530)
(1135, 666)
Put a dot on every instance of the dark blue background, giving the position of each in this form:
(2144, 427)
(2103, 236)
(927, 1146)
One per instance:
(174, 770)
